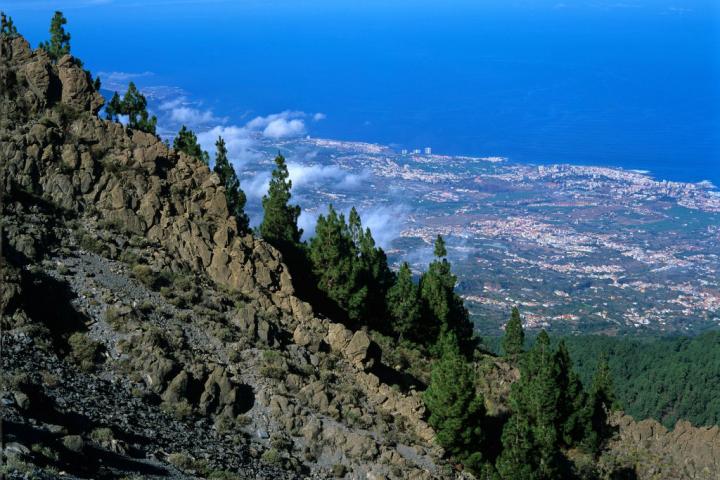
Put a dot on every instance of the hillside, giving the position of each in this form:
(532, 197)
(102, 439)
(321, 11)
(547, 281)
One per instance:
(145, 336)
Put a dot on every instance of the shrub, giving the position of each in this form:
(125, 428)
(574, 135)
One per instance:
(181, 460)
(180, 410)
(273, 365)
(272, 457)
(84, 351)
(102, 435)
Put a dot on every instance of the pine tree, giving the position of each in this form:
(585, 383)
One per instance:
(532, 428)
(601, 402)
(279, 225)
(234, 195)
(403, 303)
(376, 273)
(59, 43)
(7, 27)
(114, 108)
(456, 409)
(514, 338)
(443, 309)
(336, 265)
(571, 407)
(186, 142)
(518, 461)
(134, 105)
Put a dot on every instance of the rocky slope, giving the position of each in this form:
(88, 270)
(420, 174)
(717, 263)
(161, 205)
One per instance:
(121, 259)
(143, 336)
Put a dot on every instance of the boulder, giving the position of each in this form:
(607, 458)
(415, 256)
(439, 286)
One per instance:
(361, 351)
(338, 337)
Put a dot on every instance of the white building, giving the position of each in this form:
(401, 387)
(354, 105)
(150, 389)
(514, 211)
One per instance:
(428, 151)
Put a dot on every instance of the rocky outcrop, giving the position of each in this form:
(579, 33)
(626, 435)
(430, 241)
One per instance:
(653, 451)
(241, 350)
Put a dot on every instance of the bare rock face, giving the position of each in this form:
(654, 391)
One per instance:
(361, 351)
(686, 452)
(338, 337)
(77, 91)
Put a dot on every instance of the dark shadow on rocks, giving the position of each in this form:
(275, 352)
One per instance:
(93, 461)
(493, 428)
(390, 376)
(49, 301)
(245, 398)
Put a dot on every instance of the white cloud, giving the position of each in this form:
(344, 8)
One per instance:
(180, 110)
(319, 116)
(237, 140)
(307, 221)
(279, 125)
(192, 116)
(312, 174)
(257, 186)
(282, 128)
(385, 223)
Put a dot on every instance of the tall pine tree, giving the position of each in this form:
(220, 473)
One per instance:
(601, 401)
(456, 408)
(532, 436)
(443, 309)
(7, 27)
(114, 108)
(404, 304)
(186, 141)
(337, 266)
(376, 273)
(134, 105)
(59, 43)
(514, 339)
(279, 226)
(234, 195)
(572, 421)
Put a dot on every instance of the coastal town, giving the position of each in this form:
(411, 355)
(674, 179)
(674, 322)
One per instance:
(621, 249)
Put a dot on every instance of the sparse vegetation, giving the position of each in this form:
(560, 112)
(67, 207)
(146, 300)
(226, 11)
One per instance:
(273, 365)
(84, 351)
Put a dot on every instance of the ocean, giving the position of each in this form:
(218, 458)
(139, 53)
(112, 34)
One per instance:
(634, 84)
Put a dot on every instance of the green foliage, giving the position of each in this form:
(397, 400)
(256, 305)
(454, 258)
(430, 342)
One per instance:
(114, 107)
(84, 351)
(600, 402)
(134, 106)
(335, 264)
(573, 422)
(403, 303)
(59, 43)
(186, 142)
(279, 225)
(456, 409)
(7, 27)
(350, 270)
(530, 438)
(375, 273)
(663, 378)
(514, 338)
(442, 309)
(234, 195)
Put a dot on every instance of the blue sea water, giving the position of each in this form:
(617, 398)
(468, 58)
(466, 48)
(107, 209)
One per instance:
(631, 83)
